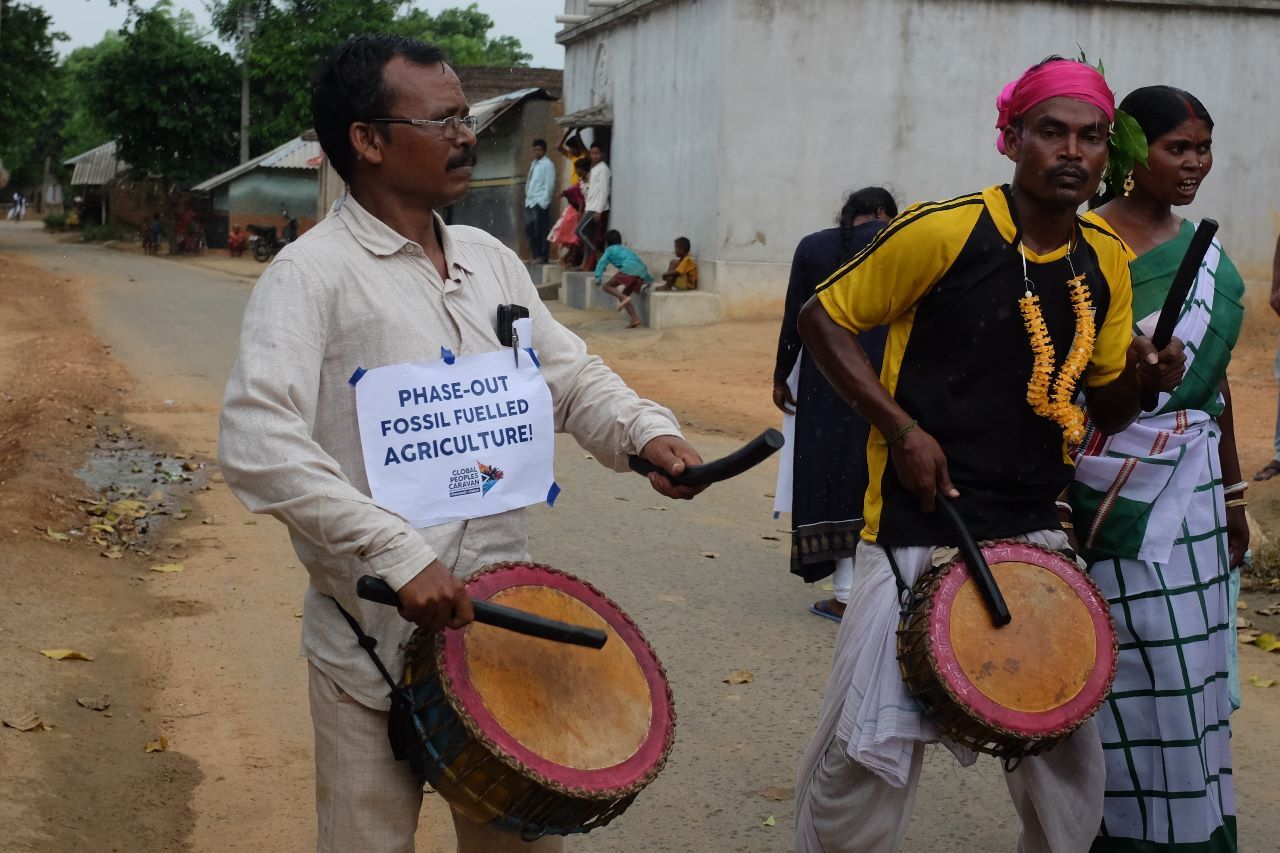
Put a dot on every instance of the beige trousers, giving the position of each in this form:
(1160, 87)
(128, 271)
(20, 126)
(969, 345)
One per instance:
(1058, 796)
(366, 801)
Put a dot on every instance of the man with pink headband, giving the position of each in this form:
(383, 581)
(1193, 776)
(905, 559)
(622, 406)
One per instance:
(954, 410)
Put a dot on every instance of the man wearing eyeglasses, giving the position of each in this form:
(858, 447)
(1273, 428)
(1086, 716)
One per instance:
(380, 282)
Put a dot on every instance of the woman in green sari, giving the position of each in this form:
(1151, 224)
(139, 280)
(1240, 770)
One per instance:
(1158, 511)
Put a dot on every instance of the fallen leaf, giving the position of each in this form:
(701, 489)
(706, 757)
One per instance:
(168, 568)
(298, 615)
(710, 555)
(770, 820)
(251, 521)
(25, 721)
(657, 508)
(190, 466)
(1242, 622)
(94, 703)
(1258, 681)
(1273, 610)
(207, 520)
(826, 587)
(1267, 642)
(65, 654)
(1241, 605)
(616, 498)
(113, 553)
(742, 676)
(771, 538)
(55, 536)
(160, 744)
(1247, 635)
(778, 795)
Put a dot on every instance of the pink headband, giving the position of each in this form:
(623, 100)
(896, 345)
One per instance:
(1061, 78)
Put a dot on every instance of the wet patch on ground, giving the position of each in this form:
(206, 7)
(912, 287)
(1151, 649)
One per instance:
(138, 490)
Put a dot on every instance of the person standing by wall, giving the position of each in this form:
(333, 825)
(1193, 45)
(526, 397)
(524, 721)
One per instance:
(537, 201)
(595, 220)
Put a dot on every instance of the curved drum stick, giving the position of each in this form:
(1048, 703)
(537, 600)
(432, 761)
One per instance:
(748, 456)
(978, 568)
(377, 590)
(1183, 280)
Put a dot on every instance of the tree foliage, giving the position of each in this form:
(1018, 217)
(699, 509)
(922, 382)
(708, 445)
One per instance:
(170, 100)
(292, 37)
(27, 89)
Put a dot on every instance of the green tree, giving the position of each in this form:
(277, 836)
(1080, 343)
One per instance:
(464, 35)
(292, 37)
(27, 88)
(170, 100)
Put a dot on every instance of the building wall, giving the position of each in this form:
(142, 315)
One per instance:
(256, 198)
(663, 73)
(820, 97)
(504, 152)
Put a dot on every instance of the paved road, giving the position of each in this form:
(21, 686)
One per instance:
(175, 327)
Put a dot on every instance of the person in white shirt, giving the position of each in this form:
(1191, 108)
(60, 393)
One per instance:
(537, 201)
(595, 219)
(383, 281)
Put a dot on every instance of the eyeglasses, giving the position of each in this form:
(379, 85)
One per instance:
(449, 125)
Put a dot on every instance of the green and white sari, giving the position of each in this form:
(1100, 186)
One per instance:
(1149, 513)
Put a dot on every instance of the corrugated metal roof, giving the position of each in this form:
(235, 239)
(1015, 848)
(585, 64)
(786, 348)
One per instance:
(96, 167)
(601, 115)
(490, 109)
(297, 153)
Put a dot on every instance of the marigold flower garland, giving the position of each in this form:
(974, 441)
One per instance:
(1056, 403)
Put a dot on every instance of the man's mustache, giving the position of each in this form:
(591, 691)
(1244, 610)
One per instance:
(464, 158)
(1068, 172)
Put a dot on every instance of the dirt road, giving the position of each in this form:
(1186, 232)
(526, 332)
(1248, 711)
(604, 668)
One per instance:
(129, 353)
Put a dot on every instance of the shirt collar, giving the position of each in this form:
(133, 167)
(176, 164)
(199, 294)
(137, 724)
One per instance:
(382, 240)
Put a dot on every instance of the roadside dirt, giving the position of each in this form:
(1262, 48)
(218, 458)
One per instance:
(174, 651)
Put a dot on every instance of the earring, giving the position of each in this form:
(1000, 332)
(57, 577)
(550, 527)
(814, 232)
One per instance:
(1128, 184)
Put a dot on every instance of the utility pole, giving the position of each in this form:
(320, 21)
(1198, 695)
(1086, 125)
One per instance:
(248, 24)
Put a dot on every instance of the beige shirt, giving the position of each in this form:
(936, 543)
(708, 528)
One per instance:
(351, 293)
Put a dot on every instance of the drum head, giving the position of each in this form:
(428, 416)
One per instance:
(593, 719)
(1047, 669)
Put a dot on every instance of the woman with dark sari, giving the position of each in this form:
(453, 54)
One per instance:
(829, 447)
(1158, 510)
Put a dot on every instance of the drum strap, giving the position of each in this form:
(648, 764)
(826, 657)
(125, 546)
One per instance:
(404, 727)
(904, 591)
(369, 644)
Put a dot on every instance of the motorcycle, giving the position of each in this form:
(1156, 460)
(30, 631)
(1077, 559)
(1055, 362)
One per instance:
(263, 240)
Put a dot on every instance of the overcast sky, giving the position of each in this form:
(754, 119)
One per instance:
(531, 21)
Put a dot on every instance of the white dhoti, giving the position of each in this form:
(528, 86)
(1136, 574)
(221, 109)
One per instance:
(858, 776)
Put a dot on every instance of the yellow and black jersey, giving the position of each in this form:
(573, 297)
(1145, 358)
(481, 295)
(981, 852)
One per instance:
(946, 278)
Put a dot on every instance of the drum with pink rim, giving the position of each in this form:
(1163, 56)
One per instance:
(1018, 689)
(534, 736)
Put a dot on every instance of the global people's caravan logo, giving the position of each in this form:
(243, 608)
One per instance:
(489, 476)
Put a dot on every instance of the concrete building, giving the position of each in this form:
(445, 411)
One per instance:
(257, 191)
(740, 123)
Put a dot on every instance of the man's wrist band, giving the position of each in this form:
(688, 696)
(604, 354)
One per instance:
(900, 434)
(1237, 502)
(1238, 487)
(1064, 506)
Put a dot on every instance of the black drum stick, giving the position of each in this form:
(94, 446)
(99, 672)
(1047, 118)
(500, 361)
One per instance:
(978, 568)
(379, 591)
(748, 456)
(1183, 280)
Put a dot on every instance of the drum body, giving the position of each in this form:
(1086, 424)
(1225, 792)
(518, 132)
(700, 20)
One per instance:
(534, 736)
(1015, 690)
